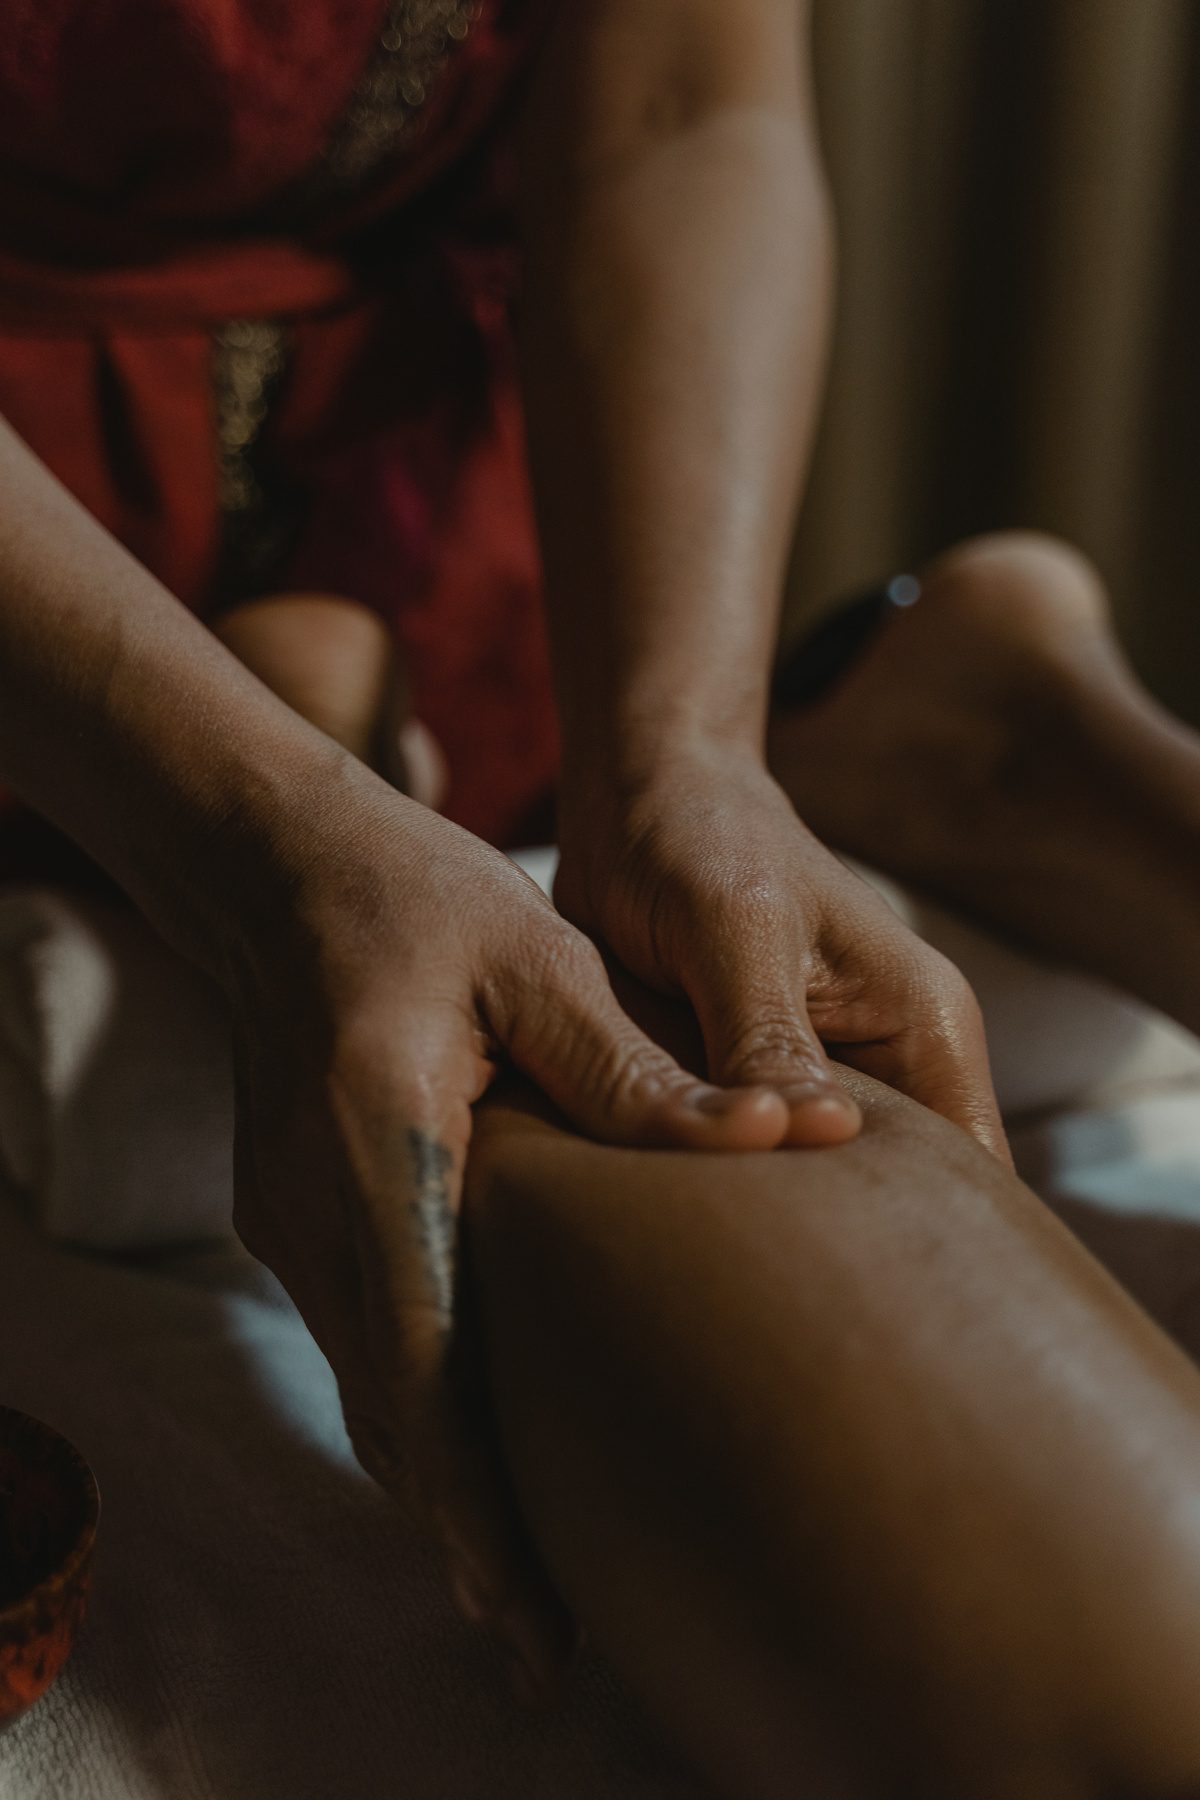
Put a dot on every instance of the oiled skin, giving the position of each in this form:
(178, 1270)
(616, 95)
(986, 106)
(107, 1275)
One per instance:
(865, 1474)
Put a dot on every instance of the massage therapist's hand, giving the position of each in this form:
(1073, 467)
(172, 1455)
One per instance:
(371, 1008)
(704, 883)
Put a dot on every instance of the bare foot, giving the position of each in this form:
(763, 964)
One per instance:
(993, 745)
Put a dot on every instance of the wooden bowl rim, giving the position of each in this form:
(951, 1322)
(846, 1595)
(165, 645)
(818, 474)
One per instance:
(66, 1571)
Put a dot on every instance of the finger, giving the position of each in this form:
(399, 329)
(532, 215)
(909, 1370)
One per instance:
(942, 1062)
(757, 1032)
(563, 1027)
(943, 1070)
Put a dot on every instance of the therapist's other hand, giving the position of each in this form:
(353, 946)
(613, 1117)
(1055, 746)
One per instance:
(396, 961)
(704, 883)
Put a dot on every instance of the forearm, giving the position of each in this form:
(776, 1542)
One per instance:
(853, 1462)
(123, 720)
(678, 254)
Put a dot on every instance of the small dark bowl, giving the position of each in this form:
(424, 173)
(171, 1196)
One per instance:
(49, 1509)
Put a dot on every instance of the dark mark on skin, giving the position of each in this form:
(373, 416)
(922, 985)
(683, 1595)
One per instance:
(436, 1224)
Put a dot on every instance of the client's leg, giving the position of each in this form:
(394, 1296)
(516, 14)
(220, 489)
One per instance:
(993, 745)
(863, 1472)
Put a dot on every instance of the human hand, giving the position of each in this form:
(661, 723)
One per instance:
(396, 961)
(705, 884)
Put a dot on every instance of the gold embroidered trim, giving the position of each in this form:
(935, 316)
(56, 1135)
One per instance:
(248, 355)
(417, 41)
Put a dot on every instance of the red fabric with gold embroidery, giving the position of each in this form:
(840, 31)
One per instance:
(148, 150)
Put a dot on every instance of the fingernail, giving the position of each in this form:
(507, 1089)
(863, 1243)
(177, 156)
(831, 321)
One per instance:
(714, 1103)
(820, 1115)
(717, 1103)
(818, 1093)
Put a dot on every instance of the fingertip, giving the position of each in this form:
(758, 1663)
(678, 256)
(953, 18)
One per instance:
(738, 1118)
(825, 1118)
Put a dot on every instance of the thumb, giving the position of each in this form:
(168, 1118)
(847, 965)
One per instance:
(563, 1027)
(757, 1034)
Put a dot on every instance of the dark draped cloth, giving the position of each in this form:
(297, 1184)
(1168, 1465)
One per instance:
(175, 172)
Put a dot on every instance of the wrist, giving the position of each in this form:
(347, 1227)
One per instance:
(610, 803)
(305, 866)
(678, 687)
(252, 852)
(607, 767)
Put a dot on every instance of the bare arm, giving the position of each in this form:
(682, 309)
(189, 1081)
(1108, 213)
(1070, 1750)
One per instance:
(675, 315)
(861, 1470)
(678, 281)
(124, 720)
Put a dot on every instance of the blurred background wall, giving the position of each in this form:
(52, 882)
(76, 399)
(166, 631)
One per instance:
(1018, 335)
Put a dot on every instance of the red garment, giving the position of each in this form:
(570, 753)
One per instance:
(148, 151)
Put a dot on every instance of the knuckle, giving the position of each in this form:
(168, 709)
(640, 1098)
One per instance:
(568, 958)
(949, 993)
(560, 1011)
(948, 1037)
(771, 1042)
(625, 1077)
(758, 910)
(555, 960)
(619, 1077)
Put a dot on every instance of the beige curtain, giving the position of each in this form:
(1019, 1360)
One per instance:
(1018, 336)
